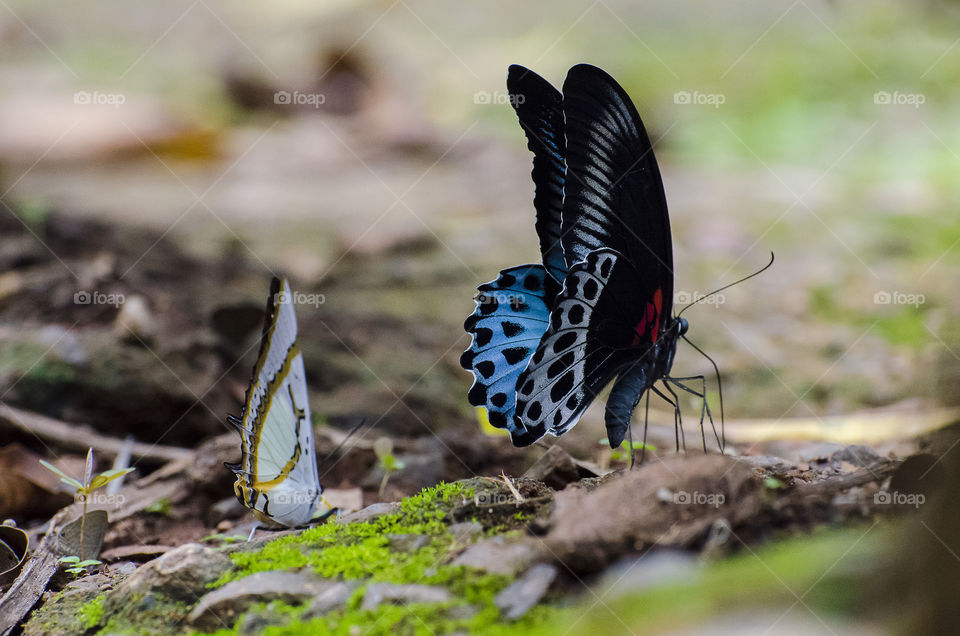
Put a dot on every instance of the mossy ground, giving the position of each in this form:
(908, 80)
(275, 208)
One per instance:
(363, 551)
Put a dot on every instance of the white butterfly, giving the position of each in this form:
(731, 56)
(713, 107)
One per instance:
(277, 474)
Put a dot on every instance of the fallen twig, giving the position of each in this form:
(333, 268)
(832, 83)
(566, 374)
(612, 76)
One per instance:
(82, 437)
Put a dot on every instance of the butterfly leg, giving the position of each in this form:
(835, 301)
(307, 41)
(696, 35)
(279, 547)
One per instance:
(677, 421)
(704, 407)
(646, 418)
(678, 415)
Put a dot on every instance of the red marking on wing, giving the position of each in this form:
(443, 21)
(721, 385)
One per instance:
(658, 305)
(650, 318)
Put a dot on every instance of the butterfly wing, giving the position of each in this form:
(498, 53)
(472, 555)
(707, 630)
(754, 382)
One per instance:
(586, 344)
(509, 320)
(277, 473)
(613, 191)
(539, 107)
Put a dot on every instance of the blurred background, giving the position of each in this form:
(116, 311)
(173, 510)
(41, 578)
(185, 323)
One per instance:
(160, 162)
(367, 150)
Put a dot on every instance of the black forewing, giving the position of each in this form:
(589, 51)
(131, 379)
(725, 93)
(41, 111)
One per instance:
(539, 108)
(613, 190)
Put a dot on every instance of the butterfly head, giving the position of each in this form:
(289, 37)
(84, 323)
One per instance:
(682, 326)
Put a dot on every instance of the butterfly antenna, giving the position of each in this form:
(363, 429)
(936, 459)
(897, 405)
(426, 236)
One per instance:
(728, 286)
(716, 370)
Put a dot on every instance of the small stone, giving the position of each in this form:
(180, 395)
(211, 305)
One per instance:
(370, 512)
(407, 542)
(181, 574)
(224, 605)
(466, 531)
(555, 468)
(378, 593)
(499, 556)
(335, 597)
(517, 598)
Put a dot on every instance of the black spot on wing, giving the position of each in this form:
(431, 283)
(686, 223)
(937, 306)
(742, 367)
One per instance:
(590, 289)
(534, 410)
(511, 329)
(486, 368)
(514, 355)
(483, 336)
(562, 386)
(565, 341)
(478, 394)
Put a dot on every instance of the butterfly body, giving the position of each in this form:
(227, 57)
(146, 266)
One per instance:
(605, 240)
(277, 474)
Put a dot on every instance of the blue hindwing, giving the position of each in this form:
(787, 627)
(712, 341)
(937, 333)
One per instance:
(511, 316)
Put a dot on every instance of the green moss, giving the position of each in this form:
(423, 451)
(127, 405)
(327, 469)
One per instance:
(362, 551)
(146, 616)
(92, 612)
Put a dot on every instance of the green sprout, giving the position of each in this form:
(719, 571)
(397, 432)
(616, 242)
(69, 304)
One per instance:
(90, 483)
(772, 483)
(76, 565)
(620, 455)
(383, 448)
(161, 506)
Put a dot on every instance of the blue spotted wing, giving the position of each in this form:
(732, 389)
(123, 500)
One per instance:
(510, 318)
(539, 108)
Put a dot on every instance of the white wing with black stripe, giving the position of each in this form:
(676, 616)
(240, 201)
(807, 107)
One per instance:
(277, 473)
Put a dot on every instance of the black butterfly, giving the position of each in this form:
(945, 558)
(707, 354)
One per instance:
(547, 338)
